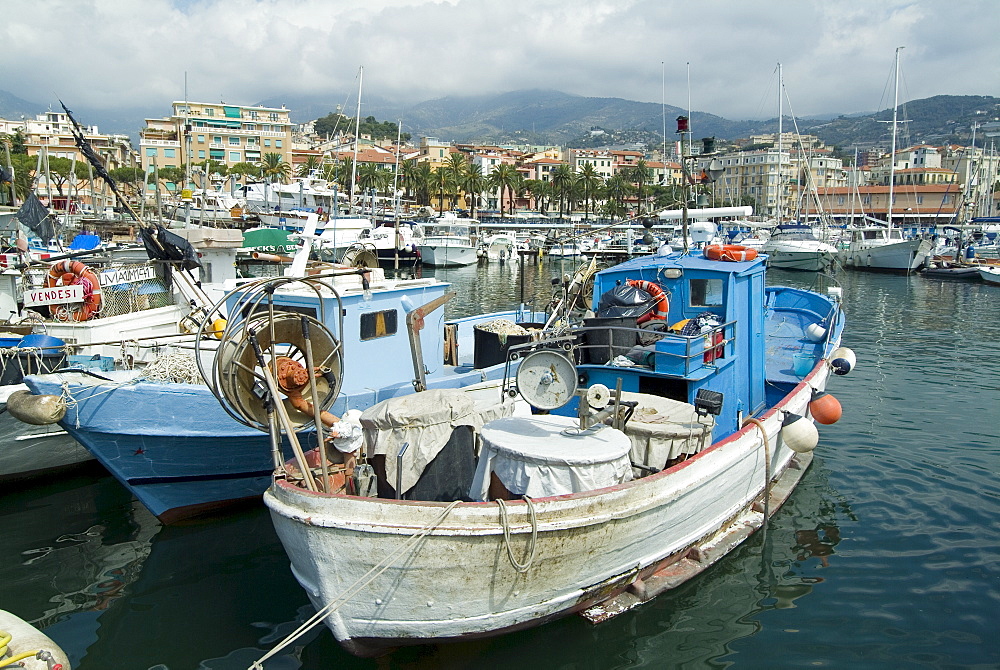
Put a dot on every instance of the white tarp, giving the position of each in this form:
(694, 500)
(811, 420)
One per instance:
(424, 420)
(662, 429)
(535, 457)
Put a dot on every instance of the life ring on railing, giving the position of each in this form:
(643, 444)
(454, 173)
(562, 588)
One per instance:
(71, 273)
(662, 302)
(729, 252)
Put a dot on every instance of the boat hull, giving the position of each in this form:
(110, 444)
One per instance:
(440, 255)
(990, 275)
(807, 261)
(28, 451)
(590, 548)
(903, 256)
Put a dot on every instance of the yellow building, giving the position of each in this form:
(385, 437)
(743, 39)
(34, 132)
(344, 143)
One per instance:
(229, 134)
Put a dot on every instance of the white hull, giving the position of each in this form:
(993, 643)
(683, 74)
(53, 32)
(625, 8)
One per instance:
(27, 450)
(444, 255)
(990, 275)
(645, 536)
(794, 259)
(901, 256)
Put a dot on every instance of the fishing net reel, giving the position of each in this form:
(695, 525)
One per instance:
(266, 346)
(548, 379)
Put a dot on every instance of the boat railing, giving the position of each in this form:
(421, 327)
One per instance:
(662, 351)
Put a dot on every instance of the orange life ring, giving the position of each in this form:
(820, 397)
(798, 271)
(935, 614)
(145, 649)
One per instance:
(662, 302)
(82, 274)
(729, 252)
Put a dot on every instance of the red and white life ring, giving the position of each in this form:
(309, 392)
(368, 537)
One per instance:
(68, 273)
(662, 302)
(729, 252)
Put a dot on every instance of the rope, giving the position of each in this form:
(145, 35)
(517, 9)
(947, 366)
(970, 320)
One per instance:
(767, 468)
(69, 401)
(520, 567)
(175, 367)
(358, 584)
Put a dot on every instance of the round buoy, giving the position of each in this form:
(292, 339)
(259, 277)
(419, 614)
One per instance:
(824, 408)
(799, 433)
(219, 325)
(815, 332)
(843, 360)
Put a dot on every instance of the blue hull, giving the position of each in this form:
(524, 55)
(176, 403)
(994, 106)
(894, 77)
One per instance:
(187, 456)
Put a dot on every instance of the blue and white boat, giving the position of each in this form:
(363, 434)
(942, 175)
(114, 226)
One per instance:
(712, 403)
(181, 454)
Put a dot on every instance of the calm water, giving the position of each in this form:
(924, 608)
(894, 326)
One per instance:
(886, 556)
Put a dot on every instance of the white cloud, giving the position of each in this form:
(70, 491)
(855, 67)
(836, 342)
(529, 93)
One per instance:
(837, 55)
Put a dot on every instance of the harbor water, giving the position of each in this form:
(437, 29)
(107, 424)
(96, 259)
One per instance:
(887, 555)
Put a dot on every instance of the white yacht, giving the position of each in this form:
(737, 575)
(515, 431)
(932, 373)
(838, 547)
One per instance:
(793, 246)
(448, 242)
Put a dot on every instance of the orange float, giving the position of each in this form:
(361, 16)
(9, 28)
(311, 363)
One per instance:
(70, 273)
(824, 408)
(662, 302)
(729, 252)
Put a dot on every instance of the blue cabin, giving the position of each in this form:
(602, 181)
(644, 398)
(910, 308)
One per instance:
(724, 351)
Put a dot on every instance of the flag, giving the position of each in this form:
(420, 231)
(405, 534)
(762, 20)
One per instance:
(162, 245)
(91, 155)
(35, 216)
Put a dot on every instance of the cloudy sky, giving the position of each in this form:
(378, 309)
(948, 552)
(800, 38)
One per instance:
(837, 55)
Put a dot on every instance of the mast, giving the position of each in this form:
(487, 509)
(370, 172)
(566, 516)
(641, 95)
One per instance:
(892, 154)
(357, 129)
(777, 209)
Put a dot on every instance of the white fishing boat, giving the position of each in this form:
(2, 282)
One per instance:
(499, 246)
(793, 246)
(559, 513)
(990, 274)
(448, 242)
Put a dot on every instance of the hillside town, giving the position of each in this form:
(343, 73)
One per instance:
(202, 148)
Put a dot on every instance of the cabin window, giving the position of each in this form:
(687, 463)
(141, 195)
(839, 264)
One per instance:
(705, 292)
(378, 324)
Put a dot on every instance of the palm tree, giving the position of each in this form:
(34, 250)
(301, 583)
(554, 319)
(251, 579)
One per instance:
(275, 168)
(442, 181)
(640, 176)
(474, 184)
(562, 180)
(617, 190)
(502, 178)
(457, 166)
(590, 181)
(311, 164)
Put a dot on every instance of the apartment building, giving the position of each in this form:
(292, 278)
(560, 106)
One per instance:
(52, 132)
(229, 134)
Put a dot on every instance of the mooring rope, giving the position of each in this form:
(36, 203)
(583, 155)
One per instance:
(520, 567)
(358, 584)
(69, 401)
(767, 467)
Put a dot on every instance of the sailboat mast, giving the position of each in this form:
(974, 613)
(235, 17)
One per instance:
(357, 129)
(777, 209)
(892, 154)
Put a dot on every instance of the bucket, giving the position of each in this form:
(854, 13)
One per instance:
(604, 344)
(33, 363)
(490, 350)
(802, 363)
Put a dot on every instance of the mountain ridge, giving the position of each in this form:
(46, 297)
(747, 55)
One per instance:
(539, 116)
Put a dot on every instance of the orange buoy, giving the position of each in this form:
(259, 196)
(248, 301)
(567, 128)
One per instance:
(825, 409)
(729, 252)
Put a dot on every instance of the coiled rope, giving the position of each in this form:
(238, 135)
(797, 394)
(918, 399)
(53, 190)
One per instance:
(175, 367)
(505, 524)
(358, 584)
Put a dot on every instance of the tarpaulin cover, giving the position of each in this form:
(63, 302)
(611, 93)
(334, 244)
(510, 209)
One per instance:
(542, 456)
(624, 300)
(424, 420)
